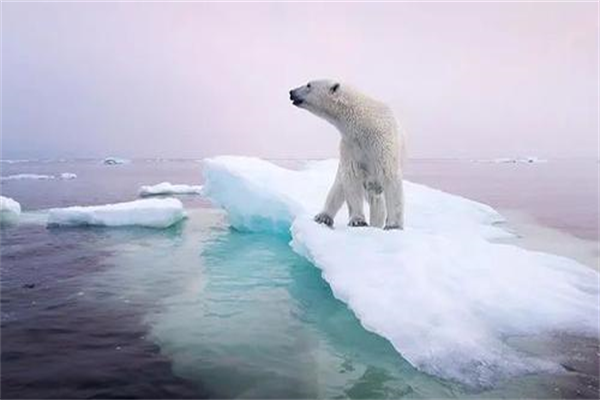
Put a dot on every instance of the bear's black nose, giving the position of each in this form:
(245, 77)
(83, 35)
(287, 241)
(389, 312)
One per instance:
(296, 100)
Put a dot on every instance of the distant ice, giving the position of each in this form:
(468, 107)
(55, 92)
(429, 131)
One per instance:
(26, 176)
(68, 176)
(18, 161)
(36, 160)
(9, 210)
(166, 188)
(18, 177)
(533, 159)
(441, 291)
(151, 213)
(525, 160)
(115, 161)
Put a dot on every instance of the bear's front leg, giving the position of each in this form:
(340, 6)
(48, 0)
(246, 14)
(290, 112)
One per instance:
(324, 218)
(334, 202)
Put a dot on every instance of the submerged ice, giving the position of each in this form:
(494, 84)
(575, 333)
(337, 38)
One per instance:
(440, 291)
(150, 213)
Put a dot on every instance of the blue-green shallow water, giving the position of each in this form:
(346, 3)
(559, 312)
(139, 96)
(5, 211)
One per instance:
(199, 310)
(244, 316)
(290, 338)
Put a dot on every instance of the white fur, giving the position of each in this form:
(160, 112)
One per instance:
(370, 153)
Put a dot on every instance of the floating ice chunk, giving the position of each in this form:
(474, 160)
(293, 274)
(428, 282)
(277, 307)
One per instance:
(446, 302)
(151, 213)
(18, 177)
(166, 188)
(68, 176)
(261, 196)
(115, 161)
(440, 291)
(258, 195)
(9, 210)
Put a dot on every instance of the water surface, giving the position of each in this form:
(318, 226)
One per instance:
(200, 310)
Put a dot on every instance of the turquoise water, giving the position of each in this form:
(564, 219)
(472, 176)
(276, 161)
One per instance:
(244, 316)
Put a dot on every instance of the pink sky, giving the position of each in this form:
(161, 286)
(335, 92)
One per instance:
(198, 79)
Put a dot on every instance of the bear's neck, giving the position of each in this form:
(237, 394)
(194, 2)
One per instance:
(352, 122)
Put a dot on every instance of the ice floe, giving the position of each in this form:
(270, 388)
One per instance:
(166, 188)
(261, 196)
(16, 161)
(115, 161)
(18, 177)
(506, 160)
(447, 302)
(9, 210)
(43, 177)
(68, 176)
(441, 291)
(150, 213)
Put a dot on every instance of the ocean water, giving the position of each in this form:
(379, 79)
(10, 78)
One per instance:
(200, 310)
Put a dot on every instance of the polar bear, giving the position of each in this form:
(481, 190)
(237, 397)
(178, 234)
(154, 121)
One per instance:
(370, 153)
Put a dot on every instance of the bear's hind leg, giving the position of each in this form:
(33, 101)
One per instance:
(355, 198)
(394, 203)
(376, 209)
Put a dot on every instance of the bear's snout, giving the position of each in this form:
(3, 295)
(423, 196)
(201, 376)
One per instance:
(295, 98)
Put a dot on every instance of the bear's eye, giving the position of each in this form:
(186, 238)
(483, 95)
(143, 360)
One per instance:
(308, 85)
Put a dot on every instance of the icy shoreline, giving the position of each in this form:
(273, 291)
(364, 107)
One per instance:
(445, 295)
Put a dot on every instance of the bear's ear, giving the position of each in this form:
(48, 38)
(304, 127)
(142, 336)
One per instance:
(334, 88)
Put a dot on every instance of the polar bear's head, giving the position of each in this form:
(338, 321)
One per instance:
(324, 98)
